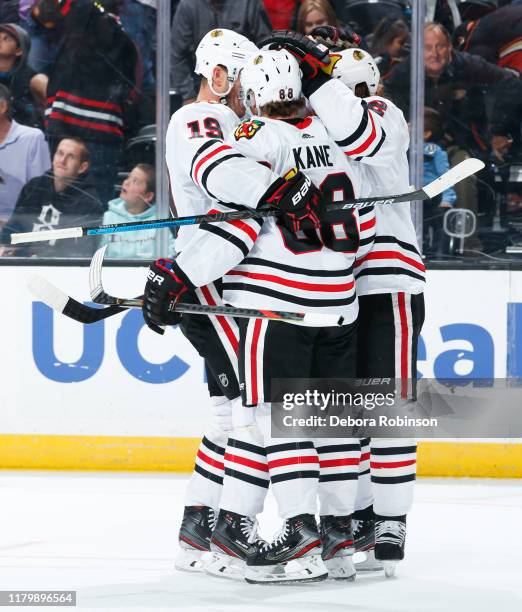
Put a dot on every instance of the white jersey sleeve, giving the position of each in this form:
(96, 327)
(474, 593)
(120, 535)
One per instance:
(394, 262)
(353, 124)
(202, 167)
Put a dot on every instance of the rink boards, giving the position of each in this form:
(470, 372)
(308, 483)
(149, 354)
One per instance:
(115, 396)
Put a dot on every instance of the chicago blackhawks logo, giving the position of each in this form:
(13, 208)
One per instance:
(248, 129)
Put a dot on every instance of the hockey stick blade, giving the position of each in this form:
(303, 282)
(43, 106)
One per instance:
(44, 291)
(99, 296)
(459, 172)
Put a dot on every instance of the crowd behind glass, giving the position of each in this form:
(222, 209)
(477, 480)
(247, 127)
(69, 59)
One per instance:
(77, 109)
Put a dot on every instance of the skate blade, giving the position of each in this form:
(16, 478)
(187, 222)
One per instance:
(296, 571)
(340, 568)
(369, 564)
(224, 566)
(191, 560)
(390, 568)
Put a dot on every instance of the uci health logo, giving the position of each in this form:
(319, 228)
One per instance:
(473, 359)
(93, 350)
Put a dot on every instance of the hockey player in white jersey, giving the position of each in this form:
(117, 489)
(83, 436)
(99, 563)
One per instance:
(195, 148)
(289, 266)
(390, 284)
(390, 278)
(219, 58)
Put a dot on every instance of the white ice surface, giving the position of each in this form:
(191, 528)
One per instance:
(112, 538)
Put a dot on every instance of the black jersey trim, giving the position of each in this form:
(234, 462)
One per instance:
(287, 297)
(392, 479)
(289, 446)
(211, 167)
(209, 475)
(201, 150)
(219, 450)
(388, 271)
(337, 448)
(247, 478)
(391, 239)
(293, 476)
(367, 240)
(359, 131)
(379, 145)
(251, 448)
(404, 450)
(335, 477)
(256, 261)
(217, 231)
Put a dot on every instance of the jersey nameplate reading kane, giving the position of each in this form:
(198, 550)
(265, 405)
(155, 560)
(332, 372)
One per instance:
(316, 156)
(248, 129)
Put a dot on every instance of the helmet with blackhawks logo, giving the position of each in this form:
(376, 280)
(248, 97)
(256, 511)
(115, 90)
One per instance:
(355, 66)
(271, 76)
(221, 47)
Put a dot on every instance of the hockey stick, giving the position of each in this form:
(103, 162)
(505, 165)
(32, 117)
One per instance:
(99, 296)
(55, 298)
(459, 172)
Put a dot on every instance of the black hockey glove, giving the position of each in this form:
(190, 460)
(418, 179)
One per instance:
(337, 37)
(312, 56)
(166, 283)
(299, 199)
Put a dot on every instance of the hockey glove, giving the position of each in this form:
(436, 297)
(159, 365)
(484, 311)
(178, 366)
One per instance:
(336, 37)
(298, 198)
(166, 283)
(311, 55)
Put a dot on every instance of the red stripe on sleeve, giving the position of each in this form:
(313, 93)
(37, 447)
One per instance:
(291, 283)
(390, 255)
(206, 158)
(360, 149)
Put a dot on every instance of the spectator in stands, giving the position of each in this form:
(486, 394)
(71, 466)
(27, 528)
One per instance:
(24, 154)
(454, 86)
(364, 15)
(315, 13)
(91, 85)
(64, 197)
(193, 19)
(45, 36)
(282, 13)
(389, 44)
(28, 88)
(435, 163)
(135, 203)
(497, 36)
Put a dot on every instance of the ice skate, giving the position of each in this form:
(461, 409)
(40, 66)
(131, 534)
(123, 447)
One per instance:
(338, 546)
(194, 538)
(233, 538)
(293, 557)
(390, 535)
(364, 536)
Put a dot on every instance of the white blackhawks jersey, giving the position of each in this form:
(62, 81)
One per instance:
(194, 145)
(373, 131)
(265, 266)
